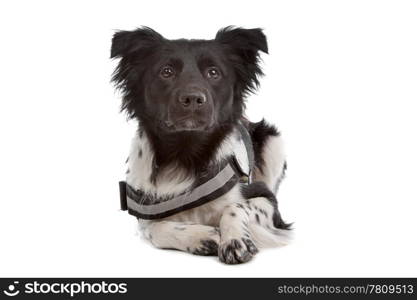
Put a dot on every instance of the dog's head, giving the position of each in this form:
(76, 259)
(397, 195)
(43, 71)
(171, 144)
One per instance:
(187, 85)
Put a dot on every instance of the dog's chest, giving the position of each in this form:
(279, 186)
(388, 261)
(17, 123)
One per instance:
(172, 181)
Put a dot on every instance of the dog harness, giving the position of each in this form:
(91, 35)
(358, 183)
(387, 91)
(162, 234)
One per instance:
(208, 187)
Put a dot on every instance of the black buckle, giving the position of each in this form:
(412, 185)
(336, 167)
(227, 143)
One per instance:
(123, 197)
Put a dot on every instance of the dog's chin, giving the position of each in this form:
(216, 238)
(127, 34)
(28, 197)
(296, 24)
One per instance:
(188, 125)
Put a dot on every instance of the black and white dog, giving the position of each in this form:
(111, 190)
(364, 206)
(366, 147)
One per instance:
(201, 178)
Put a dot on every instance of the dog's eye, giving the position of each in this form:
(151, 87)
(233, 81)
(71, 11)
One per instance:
(167, 72)
(213, 73)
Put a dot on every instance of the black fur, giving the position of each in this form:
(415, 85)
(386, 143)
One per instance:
(190, 150)
(207, 248)
(152, 100)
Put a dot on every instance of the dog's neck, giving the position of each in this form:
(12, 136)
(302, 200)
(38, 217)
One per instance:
(189, 151)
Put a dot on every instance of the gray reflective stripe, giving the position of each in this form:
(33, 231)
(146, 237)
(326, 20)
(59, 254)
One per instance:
(179, 201)
(247, 140)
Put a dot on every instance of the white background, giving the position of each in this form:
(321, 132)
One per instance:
(341, 84)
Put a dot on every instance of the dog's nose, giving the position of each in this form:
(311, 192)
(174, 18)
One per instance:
(193, 100)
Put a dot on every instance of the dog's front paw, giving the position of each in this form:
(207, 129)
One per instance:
(237, 251)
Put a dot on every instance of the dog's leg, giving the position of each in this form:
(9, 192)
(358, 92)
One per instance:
(245, 226)
(261, 202)
(236, 244)
(264, 213)
(265, 222)
(193, 238)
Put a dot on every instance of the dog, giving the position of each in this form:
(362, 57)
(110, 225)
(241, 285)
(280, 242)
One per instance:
(201, 177)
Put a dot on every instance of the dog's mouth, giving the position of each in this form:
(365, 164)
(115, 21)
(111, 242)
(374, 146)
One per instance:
(189, 123)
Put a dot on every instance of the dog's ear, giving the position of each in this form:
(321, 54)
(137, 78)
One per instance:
(244, 47)
(249, 41)
(128, 42)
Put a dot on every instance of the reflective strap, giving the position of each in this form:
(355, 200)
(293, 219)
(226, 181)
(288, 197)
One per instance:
(225, 178)
(247, 141)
